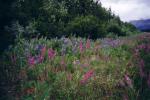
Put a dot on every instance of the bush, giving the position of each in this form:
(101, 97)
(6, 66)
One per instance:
(115, 29)
(86, 26)
(28, 31)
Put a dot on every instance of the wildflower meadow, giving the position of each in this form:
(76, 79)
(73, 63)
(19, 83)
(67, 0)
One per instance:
(78, 69)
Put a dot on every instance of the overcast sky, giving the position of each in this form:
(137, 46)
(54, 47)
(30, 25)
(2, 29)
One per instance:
(129, 9)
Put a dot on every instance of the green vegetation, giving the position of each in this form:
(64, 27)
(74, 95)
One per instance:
(76, 68)
(70, 49)
(57, 18)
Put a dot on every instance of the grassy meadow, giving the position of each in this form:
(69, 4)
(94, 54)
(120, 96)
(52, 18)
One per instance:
(78, 69)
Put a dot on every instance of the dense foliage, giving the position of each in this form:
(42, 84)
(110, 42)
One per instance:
(78, 68)
(57, 18)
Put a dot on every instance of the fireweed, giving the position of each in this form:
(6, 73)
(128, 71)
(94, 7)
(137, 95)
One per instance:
(55, 85)
(88, 44)
(51, 53)
(81, 47)
(43, 51)
(87, 76)
(31, 61)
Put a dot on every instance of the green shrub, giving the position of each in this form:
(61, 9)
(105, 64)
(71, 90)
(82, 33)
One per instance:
(86, 26)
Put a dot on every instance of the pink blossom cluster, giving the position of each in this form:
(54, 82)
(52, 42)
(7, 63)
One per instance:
(32, 60)
(87, 76)
(81, 47)
(87, 45)
(43, 51)
(144, 48)
(51, 53)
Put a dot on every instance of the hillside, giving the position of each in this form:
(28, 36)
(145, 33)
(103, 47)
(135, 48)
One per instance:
(143, 25)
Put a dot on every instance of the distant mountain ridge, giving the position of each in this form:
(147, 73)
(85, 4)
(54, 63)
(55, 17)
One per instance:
(143, 25)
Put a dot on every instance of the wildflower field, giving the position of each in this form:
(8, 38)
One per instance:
(77, 69)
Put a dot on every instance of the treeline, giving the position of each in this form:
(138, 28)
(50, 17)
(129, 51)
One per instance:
(57, 18)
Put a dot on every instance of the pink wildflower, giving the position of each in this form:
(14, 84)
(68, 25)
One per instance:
(62, 62)
(128, 80)
(81, 47)
(88, 44)
(142, 46)
(86, 76)
(40, 59)
(51, 53)
(43, 51)
(31, 61)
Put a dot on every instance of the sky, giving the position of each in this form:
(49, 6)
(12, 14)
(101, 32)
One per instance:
(129, 9)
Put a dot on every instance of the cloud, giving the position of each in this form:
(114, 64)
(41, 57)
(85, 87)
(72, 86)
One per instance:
(129, 9)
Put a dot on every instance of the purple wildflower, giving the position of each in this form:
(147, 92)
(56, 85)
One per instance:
(40, 59)
(142, 46)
